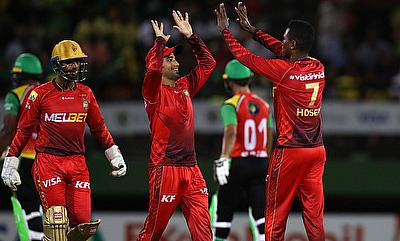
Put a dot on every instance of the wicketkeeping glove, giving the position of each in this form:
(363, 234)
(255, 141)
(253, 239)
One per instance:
(9, 174)
(221, 170)
(116, 160)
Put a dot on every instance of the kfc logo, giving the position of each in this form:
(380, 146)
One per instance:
(167, 198)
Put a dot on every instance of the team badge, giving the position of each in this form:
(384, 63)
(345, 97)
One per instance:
(85, 103)
(253, 108)
(185, 91)
(33, 95)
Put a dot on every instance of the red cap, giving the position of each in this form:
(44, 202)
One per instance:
(168, 51)
(176, 49)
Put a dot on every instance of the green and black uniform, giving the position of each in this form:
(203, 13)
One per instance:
(248, 168)
(27, 194)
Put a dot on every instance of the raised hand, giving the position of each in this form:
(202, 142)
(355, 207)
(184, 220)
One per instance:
(242, 19)
(182, 23)
(159, 30)
(222, 19)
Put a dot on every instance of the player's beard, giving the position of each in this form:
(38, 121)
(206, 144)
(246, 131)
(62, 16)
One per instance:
(173, 75)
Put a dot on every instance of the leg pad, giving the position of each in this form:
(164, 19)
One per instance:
(55, 224)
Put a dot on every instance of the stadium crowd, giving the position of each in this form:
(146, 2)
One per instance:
(358, 41)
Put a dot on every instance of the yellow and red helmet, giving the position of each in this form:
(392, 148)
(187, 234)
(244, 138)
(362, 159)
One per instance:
(67, 51)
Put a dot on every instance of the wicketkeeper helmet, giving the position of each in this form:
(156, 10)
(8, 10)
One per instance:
(65, 51)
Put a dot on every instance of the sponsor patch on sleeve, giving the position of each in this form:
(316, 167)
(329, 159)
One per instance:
(33, 95)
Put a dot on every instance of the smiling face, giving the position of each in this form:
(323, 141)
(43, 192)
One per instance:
(71, 68)
(170, 68)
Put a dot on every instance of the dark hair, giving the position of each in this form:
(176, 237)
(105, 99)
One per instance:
(303, 33)
(241, 82)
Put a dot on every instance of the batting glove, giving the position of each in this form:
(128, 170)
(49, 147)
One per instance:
(221, 170)
(9, 174)
(116, 160)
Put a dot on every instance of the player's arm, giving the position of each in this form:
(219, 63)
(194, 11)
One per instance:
(28, 120)
(229, 118)
(205, 64)
(264, 39)
(269, 42)
(273, 69)
(97, 125)
(270, 134)
(99, 130)
(222, 165)
(10, 121)
(154, 59)
(27, 123)
(205, 61)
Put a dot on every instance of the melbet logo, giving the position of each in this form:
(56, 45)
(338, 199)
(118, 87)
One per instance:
(310, 76)
(65, 117)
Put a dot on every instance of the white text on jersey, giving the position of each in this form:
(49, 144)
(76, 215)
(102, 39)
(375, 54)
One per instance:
(65, 117)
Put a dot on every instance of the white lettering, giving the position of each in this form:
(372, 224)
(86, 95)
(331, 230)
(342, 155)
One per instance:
(308, 112)
(65, 117)
(83, 185)
(310, 76)
(204, 190)
(51, 182)
(167, 198)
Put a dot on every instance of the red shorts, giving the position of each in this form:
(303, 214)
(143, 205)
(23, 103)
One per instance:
(64, 181)
(291, 172)
(171, 186)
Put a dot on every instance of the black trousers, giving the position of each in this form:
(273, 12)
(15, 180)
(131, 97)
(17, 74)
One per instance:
(246, 177)
(28, 196)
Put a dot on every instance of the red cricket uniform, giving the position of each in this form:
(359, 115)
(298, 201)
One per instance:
(60, 171)
(297, 164)
(251, 136)
(174, 177)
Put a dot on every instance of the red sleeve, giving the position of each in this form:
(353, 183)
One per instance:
(269, 42)
(152, 78)
(27, 123)
(273, 69)
(205, 64)
(97, 125)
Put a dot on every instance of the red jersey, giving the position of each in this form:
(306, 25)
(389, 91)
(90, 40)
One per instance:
(60, 117)
(21, 94)
(297, 91)
(170, 109)
(251, 131)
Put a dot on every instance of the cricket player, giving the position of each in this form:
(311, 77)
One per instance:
(174, 176)
(297, 163)
(59, 109)
(247, 143)
(25, 74)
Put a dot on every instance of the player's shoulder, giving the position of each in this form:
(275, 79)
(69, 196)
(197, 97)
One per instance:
(234, 100)
(45, 87)
(259, 100)
(316, 62)
(39, 91)
(83, 87)
(20, 89)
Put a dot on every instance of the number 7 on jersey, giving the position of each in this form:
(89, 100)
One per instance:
(315, 87)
